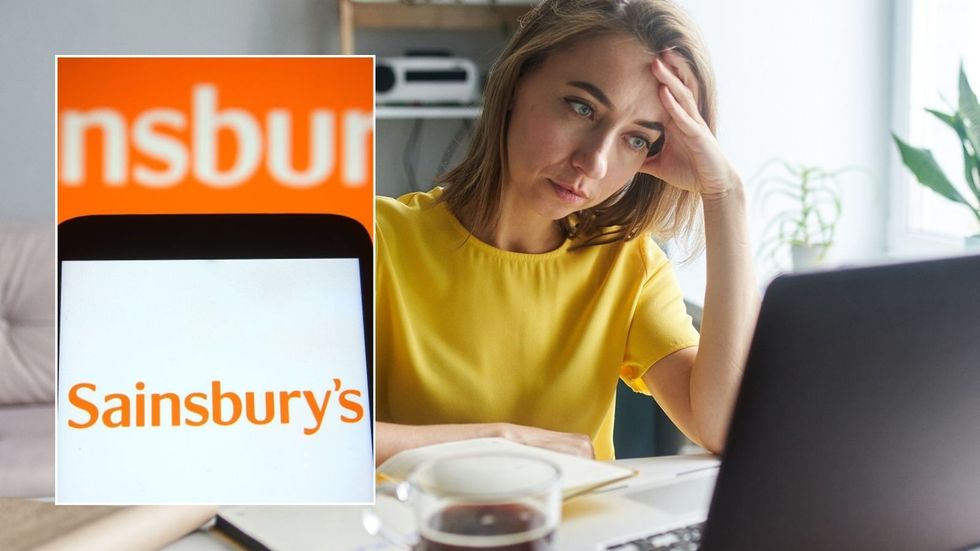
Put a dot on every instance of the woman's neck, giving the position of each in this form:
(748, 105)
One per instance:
(519, 237)
(520, 230)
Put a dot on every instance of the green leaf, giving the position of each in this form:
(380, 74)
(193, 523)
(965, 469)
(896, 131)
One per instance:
(926, 170)
(971, 170)
(946, 118)
(970, 111)
(970, 161)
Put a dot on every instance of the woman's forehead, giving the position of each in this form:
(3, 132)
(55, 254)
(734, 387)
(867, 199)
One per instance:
(603, 47)
(619, 66)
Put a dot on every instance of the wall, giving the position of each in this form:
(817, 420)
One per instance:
(807, 82)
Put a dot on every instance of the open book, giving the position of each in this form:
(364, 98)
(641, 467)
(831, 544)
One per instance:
(578, 476)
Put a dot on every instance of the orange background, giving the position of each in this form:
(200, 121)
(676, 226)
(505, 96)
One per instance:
(131, 86)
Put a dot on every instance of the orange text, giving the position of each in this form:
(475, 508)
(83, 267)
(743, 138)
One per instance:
(218, 407)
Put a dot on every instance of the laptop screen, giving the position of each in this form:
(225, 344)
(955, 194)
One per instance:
(857, 425)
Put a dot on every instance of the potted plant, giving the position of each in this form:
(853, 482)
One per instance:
(810, 208)
(965, 121)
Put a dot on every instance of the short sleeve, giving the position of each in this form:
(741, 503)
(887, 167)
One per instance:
(660, 324)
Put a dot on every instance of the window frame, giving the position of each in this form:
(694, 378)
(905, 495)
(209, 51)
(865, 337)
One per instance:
(902, 240)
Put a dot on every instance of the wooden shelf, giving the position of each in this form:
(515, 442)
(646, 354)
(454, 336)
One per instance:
(434, 16)
(426, 112)
(440, 15)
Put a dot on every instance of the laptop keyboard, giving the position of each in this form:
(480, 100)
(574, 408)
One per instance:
(687, 538)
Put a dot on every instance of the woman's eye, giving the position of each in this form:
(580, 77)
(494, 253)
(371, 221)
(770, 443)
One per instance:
(580, 108)
(638, 143)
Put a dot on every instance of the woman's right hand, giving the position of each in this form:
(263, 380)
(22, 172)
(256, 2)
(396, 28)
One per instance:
(393, 438)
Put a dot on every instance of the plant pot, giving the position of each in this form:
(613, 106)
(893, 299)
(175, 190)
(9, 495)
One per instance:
(808, 257)
(972, 243)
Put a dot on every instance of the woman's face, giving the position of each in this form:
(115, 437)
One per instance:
(581, 125)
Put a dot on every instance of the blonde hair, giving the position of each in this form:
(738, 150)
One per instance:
(645, 203)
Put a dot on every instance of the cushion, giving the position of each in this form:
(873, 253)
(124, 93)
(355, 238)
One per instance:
(27, 314)
(27, 450)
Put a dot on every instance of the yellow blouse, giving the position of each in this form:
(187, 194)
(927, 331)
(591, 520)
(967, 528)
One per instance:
(468, 333)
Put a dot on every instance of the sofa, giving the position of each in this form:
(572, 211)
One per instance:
(27, 359)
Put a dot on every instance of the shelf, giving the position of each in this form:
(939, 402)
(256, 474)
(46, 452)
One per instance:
(434, 16)
(426, 112)
(525, 3)
(466, 15)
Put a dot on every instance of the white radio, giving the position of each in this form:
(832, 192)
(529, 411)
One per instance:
(425, 80)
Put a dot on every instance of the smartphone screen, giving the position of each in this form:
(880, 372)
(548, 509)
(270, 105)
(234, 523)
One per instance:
(214, 380)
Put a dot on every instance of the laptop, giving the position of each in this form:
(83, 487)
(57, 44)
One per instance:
(857, 425)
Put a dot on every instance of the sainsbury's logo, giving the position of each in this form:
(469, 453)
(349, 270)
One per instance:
(218, 407)
(160, 147)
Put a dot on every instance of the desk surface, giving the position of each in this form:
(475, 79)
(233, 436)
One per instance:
(305, 527)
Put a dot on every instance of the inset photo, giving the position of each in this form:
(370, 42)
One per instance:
(215, 280)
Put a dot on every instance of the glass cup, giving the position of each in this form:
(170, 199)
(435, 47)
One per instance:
(499, 502)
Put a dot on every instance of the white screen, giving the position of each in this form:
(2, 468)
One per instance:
(176, 326)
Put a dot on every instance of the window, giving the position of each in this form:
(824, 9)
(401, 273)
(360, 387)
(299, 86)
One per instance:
(931, 38)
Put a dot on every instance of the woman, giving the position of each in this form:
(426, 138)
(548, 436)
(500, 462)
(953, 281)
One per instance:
(511, 301)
